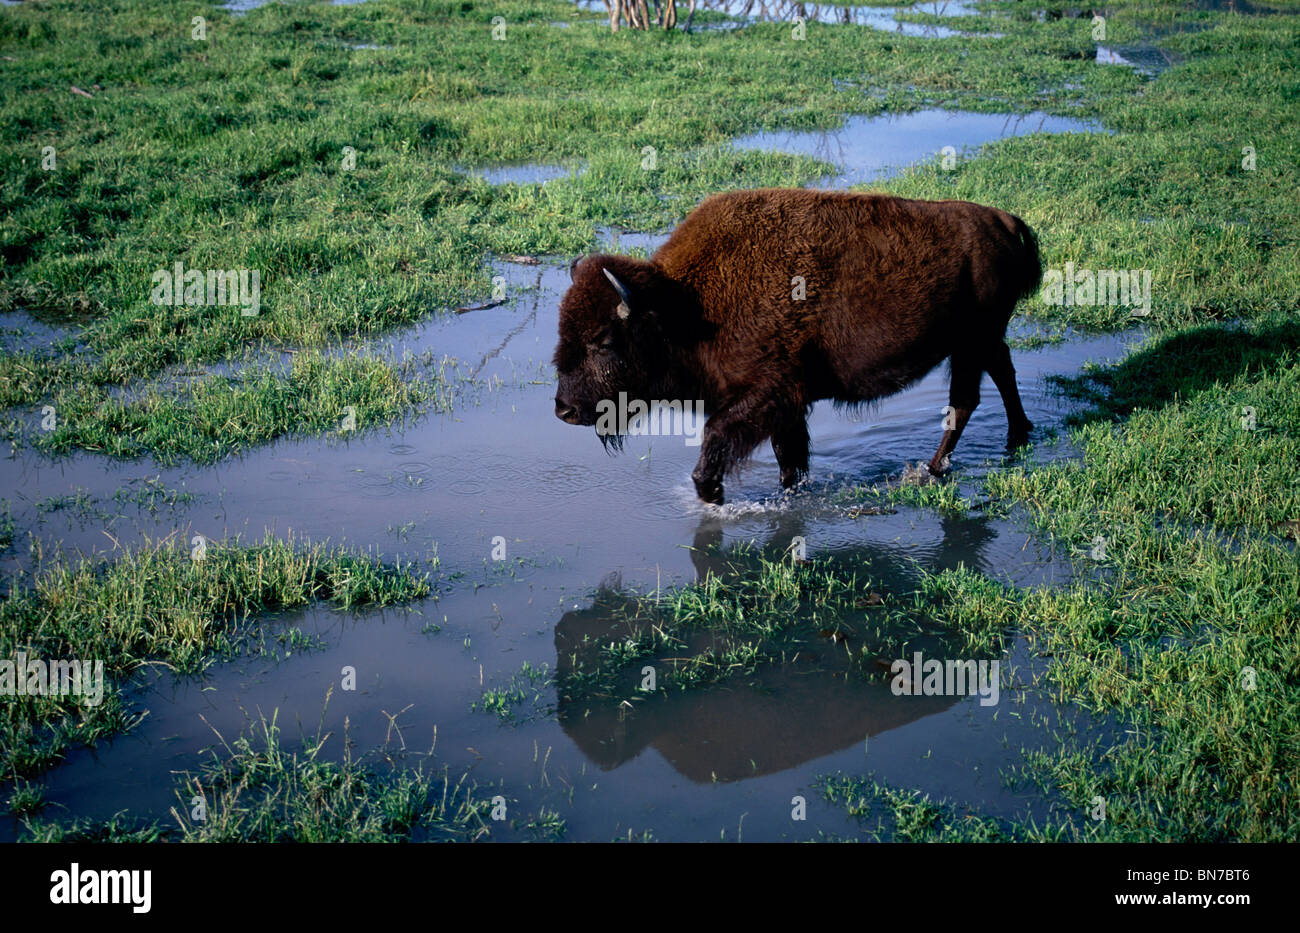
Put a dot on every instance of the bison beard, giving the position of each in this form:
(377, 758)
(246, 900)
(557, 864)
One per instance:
(764, 302)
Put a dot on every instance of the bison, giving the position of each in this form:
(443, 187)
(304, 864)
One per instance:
(764, 302)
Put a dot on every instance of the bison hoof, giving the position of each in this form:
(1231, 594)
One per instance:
(792, 478)
(939, 468)
(709, 491)
(1019, 436)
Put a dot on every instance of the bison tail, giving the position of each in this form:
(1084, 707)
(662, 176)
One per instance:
(1032, 267)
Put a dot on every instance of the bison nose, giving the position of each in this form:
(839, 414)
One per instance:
(566, 412)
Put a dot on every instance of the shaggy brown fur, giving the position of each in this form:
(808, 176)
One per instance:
(892, 287)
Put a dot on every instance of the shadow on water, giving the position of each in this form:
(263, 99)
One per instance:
(782, 716)
(1178, 367)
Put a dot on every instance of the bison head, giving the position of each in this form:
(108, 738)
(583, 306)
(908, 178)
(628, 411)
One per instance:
(611, 336)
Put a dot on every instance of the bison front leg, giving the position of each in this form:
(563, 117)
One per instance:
(712, 465)
(730, 435)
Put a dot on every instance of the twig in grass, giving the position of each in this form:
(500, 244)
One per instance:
(490, 304)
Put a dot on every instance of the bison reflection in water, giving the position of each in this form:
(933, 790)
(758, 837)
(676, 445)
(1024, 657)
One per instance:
(764, 302)
(814, 702)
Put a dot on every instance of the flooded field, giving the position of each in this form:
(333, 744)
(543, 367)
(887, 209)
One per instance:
(575, 522)
(536, 535)
(555, 562)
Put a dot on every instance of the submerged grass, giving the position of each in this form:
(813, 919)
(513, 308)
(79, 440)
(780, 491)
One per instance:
(896, 815)
(522, 698)
(256, 790)
(259, 788)
(767, 612)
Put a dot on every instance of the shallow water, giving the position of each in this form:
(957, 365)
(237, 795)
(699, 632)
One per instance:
(20, 332)
(867, 149)
(1145, 58)
(523, 173)
(243, 6)
(576, 521)
(1244, 7)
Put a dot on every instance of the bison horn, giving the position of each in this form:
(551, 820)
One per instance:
(624, 310)
(573, 266)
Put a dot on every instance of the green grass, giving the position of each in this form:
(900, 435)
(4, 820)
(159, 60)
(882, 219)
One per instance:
(907, 816)
(238, 141)
(262, 788)
(258, 790)
(156, 605)
(228, 154)
(26, 799)
(7, 526)
(216, 418)
(522, 698)
(118, 828)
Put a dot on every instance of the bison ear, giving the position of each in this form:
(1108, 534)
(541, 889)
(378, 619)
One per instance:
(573, 267)
(625, 297)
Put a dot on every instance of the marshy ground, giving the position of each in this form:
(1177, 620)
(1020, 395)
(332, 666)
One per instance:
(351, 579)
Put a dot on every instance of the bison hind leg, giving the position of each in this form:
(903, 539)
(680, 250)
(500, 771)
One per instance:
(1004, 377)
(790, 445)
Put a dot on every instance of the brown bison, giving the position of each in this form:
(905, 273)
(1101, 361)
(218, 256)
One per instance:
(763, 302)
